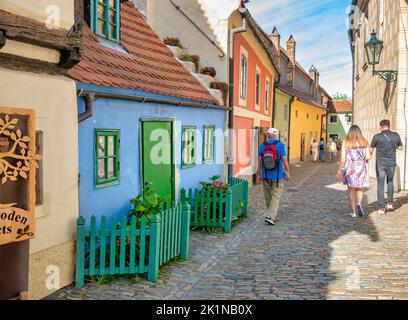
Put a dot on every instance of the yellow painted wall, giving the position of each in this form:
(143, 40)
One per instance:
(45, 11)
(300, 123)
(54, 100)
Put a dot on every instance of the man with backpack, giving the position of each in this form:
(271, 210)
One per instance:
(386, 143)
(273, 167)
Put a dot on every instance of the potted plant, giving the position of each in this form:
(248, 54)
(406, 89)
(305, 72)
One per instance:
(210, 71)
(175, 42)
(223, 87)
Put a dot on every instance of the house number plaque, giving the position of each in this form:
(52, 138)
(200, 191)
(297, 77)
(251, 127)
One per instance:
(18, 163)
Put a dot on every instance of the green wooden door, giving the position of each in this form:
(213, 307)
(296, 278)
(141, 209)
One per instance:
(157, 156)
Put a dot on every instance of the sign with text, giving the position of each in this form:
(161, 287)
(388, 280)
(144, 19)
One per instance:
(18, 163)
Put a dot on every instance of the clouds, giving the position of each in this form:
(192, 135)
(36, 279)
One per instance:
(320, 30)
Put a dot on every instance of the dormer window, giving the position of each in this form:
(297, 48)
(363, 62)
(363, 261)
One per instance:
(105, 19)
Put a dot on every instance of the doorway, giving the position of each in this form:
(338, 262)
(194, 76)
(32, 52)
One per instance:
(157, 157)
(303, 148)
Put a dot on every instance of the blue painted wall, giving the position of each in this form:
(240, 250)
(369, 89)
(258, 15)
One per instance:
(125, 115)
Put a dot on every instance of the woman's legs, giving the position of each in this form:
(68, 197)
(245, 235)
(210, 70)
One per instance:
(352, 199)
(360, 194)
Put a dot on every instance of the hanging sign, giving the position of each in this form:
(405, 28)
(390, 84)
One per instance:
(18, 163)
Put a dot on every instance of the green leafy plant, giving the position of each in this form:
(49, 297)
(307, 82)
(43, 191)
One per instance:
(186, 57)
(240, 207)
(215, 184)
(175, 42)
(147, 204)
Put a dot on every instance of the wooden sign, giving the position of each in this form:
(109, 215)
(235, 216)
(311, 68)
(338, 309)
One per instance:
(18, 163)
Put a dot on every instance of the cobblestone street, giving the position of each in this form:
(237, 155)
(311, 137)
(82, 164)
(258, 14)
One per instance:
(315, 251)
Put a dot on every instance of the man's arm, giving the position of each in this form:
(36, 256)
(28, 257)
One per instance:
(400, 144)
(286, 165)
(373, 145)
(259, 166)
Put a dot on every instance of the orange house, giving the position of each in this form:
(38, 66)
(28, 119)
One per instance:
(254, 76)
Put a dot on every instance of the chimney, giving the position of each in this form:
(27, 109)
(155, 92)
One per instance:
(275, 39)
(291, 50)
(314, 74)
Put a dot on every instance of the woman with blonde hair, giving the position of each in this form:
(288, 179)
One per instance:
(353, 169)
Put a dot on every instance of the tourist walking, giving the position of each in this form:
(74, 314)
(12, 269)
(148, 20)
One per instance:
(315, 150)
(273, 168)
(386, 144)
(322, 149)
(355, 154)
(332, 150)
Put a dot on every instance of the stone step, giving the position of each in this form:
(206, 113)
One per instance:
(178, 52)
(204, 79)
(190, 66)
(217, 94)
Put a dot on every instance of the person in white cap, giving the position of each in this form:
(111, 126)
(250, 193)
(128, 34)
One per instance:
(273, 168)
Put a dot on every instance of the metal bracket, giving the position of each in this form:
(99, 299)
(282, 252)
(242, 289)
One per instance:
(387, 75)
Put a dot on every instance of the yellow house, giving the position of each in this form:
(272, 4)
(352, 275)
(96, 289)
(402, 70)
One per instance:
(300, 104)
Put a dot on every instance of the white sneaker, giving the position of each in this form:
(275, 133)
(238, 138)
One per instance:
(389, 207)
(353, 215)
(381, 211)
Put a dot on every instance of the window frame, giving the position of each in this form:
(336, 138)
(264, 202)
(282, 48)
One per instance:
(106, 182)
(211, 159)
(184, 129)
(267, 94)
(106, 19)
(334, 122)
(257, 88)
(243, 77)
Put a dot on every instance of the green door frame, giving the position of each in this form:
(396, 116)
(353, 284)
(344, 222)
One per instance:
(173, 156)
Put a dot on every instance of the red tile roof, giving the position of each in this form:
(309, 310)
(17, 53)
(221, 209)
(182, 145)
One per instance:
(341, 106)
(300, 95)
(150, 66)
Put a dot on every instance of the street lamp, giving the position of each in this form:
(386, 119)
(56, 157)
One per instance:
(374, 48)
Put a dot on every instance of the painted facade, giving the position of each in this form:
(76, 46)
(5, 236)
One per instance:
(254, 76)
(339, 119)
(300, 102)
(43, 87)
(129, 103)
(374, 100)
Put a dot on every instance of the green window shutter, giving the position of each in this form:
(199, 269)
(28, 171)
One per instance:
(208, 143)
(105, 19)
(189, 137)
(107, 145)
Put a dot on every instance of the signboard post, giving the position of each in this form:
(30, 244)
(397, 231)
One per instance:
(18, 163)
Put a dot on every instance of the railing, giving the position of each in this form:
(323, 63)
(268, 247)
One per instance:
(131, 247)
(217, 208)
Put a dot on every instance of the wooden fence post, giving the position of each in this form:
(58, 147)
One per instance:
(228, 211)
(154, 249)
(185, 231)
(80, 253)
(246, 198)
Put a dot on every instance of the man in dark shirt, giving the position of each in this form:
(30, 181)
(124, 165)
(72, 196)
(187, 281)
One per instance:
(386, 143)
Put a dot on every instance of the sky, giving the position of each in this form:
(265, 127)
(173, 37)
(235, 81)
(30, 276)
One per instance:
(320, 30)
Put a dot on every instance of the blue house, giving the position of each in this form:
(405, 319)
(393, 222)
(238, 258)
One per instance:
(142, 116)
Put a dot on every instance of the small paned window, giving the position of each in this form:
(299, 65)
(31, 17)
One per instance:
(105, 19)
(107, 157)
(266, 95)
(258, 87)
(243, 80)
(188, 146)
(208, 143)
(333, 119)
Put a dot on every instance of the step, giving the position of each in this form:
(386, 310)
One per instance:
(190, 66)
(204, 79)
(178, 52)
(217, 94)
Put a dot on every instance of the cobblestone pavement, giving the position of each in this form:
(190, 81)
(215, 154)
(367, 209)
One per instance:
(314, 252)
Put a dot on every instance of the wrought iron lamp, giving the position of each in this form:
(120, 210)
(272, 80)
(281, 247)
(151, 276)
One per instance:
(374, 48)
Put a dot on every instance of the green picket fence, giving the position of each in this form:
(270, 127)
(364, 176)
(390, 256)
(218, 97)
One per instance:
(217, 208)
(133, 247)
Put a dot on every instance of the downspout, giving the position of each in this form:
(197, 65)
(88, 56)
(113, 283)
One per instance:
(274, 101)
(231, 91)
(289, 125)
(89, 99)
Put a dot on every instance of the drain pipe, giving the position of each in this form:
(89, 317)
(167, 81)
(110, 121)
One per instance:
(89, 99)
(231, 159)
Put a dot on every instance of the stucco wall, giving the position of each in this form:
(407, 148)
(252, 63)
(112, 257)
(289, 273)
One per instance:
(301, 124)
(54, 100)
(341, 127)
(45, 11)
(282, 100)
(125, 115)
(211, 16)
(369, 107)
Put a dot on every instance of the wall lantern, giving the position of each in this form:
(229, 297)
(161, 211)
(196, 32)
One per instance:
(374, 48)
